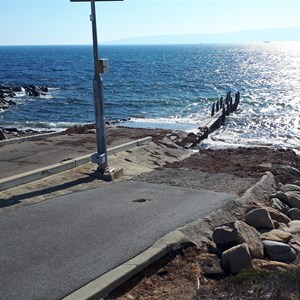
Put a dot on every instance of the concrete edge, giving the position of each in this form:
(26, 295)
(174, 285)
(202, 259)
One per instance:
(29, 138)
(266, 185)
(40, 173)
(106, 283)
(197, 232)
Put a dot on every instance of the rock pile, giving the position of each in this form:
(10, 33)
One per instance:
(270, 232)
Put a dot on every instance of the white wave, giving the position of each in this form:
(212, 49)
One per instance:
(21, 93)
(46, 96)
(224, 138)
(173, 123)
(56, 126)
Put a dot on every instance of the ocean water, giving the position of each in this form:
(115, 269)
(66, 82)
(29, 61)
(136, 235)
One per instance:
(162, 86)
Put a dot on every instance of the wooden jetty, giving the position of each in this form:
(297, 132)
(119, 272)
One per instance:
(219, 111)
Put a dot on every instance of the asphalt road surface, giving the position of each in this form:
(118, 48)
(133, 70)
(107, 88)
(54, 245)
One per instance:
(52, 248)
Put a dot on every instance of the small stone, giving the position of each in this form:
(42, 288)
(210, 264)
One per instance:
(294, 214)
(279, 251)
(211, 265)
(236, 259)
(259, 218)
(290, 188)
(277, 235)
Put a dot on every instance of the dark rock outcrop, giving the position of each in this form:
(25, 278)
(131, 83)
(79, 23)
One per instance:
(35, 90)
(2, 135)
(10, 92)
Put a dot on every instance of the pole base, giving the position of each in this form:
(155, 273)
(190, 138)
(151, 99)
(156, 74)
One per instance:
(108, 175)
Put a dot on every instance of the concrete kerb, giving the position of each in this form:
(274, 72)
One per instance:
(106, 283)
(195, 233)
(40, 173)
(29, 138)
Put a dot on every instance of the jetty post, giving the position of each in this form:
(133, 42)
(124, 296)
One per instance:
(100, 66)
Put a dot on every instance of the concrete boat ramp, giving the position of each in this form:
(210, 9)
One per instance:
(53, 248)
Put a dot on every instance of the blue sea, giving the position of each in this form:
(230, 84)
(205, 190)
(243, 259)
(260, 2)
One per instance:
(162, 86)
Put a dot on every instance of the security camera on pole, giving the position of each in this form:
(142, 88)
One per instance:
(100, 66)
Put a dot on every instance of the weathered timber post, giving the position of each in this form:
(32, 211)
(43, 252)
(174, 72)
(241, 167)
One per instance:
(227, 109)
(223, 114)
(221, 102)
(230, 105)
(236, 100)
(217, 106)
(227, 97)
(213, 110)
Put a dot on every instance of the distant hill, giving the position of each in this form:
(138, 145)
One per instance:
(257, 35)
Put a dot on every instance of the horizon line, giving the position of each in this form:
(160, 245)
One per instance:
(131, 40)
(152, 44)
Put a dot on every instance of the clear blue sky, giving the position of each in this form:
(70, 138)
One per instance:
(48, 22)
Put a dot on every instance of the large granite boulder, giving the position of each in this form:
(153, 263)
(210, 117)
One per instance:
(259, 218)
(279, 205)
(279, 251)
(295, 242)
(278, 216)
(293, 227)
(236, 259)
(293, 199)
(281, 196)
(238, 232)
(294, 214)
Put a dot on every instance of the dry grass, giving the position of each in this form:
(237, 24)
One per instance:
(255, 284)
